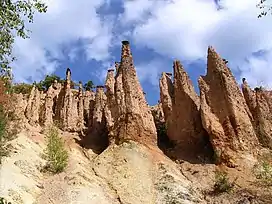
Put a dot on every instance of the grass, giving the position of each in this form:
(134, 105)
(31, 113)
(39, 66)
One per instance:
(263, 170)
(55, 152)
(222, 183)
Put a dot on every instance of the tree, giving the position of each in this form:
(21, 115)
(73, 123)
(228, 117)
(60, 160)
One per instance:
(49, 80)
(89, 85)
(12, 23)
(264, 7)
(55, 152)
(43, 85)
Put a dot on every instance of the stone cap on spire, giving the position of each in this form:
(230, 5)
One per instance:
(125, 49)
(68, 72)
(125, 42)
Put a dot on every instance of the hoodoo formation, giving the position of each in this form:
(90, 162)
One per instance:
(181, 109)
(234, 122)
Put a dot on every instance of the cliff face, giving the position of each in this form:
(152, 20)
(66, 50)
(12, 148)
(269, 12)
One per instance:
(232, 122)
(68, 109)
(67, 112)
(166, 94)
(97, 126)
(186, 103)
(181, 108)
(32, 110)
(118, 114)
(259, 102)
(224, 112)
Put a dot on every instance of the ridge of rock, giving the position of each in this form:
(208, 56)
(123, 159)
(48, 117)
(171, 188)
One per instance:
(182, 116)
(224, 112)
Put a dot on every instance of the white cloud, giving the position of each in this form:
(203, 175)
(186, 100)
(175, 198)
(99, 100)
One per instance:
(179, 29)
(150, 72)
(135, 11)
(65, 22)
(184, 29)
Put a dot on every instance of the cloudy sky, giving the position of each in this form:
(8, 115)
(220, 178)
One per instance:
(86, 36)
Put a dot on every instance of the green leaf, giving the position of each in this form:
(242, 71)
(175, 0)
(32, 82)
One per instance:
(12, 24)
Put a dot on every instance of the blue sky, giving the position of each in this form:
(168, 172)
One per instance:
(86, 36)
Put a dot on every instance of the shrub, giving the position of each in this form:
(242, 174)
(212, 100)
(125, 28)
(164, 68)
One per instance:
(89, 85)
(263, 171)
(3, 119)
(22, 88)
(222, 183)
(4, 201)
(48, 81)
(55, 152)
(3, 123)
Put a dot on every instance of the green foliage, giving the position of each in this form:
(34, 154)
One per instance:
(161, 130)
(22, 88)
(3, 125)
(88, 86)
(12, 22)
(263, 170)
(4, 201)
(55, 152)
(48, 81)
(222, 183)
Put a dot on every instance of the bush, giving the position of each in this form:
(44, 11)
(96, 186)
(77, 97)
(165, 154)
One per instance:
(222, 183)
(4, 201)
(47, 82)
(3, 124)
(22, 88)
(55, 152)
(3, 119)
(89, 85)
(263, 171)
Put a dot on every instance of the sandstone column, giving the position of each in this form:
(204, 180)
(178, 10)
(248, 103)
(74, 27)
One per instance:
(224, 112)
(263, 117)
(110, 106)
(80, 107)
(67, 111)
(166, 94)
(33, 107)
(97, 127)
(134, 120)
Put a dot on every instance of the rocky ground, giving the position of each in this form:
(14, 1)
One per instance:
(130, 173)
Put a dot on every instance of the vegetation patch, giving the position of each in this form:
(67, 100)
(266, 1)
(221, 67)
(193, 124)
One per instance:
(55, 152)
(222, 183)
(263, 170)
(21, 88)
(6, 116)
(4, 201)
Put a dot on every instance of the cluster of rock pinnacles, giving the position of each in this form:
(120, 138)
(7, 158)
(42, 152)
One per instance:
(234, 122)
